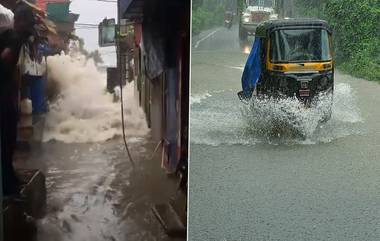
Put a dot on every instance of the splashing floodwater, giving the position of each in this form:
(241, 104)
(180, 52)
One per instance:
(83, 110)
(285, 117)
(82, 193)
(222, 119)
(81, 172)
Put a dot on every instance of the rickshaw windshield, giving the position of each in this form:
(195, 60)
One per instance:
(299, 45)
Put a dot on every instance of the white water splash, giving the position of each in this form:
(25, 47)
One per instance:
(197, 99)
(81, 199)
(222, 119)
(285, 116)
(84, 111)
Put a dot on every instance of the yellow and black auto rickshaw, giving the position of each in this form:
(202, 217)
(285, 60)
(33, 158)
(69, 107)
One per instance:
(290, 58)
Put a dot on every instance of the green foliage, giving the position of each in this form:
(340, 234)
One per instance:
(209, 13)
(95, 55)
(200, 20)
(356, 27)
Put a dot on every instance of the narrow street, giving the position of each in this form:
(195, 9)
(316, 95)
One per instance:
(93, 190)
(94, 193)
(250, 183)
(94, 129)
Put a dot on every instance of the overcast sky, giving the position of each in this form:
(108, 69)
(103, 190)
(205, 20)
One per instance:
(93, 12)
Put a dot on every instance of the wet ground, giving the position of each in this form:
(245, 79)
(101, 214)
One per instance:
(253, 180)
(94, 193)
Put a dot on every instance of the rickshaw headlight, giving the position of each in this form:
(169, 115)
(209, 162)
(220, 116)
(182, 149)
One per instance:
(246, 19)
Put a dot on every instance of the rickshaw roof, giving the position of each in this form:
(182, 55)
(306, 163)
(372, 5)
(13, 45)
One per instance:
(265, 28)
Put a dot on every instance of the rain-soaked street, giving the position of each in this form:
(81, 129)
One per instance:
(93, 190)
(94, 193)
(251, 179)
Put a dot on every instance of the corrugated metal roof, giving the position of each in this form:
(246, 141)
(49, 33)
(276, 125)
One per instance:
(58, 11)
(43, 3)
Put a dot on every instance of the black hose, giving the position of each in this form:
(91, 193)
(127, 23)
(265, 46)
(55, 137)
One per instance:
(121, 83)
(122, 121)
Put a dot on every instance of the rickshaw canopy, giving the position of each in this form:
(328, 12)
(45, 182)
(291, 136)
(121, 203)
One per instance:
(264, 29)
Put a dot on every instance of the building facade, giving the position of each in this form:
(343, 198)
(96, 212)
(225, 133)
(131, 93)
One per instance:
(158, 57)
(58, 12)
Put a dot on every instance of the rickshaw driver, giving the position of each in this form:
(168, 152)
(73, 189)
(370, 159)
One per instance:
(301, 51)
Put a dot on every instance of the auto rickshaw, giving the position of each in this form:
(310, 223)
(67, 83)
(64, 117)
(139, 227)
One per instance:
(290, 58)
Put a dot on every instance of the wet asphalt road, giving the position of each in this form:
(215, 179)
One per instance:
(248, 184)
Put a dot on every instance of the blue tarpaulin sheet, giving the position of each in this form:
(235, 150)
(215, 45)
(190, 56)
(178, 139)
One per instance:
(252, 69)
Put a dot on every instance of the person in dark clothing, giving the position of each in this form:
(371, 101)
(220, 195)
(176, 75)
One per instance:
(10, 44)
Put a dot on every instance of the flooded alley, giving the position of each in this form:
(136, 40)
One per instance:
(93, 190)
(94, 120)
(95, 194)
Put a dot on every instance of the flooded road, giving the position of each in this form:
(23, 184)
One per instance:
(93, 191)
(253, 180)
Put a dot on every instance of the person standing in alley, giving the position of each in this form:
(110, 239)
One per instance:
(11, 41)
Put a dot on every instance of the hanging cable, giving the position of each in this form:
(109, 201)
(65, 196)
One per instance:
(122, 107)
(122, 122)
(121, 85)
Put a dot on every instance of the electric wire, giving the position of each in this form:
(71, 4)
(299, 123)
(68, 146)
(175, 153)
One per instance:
(122, 108)
(121, 92)
(123, 125)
